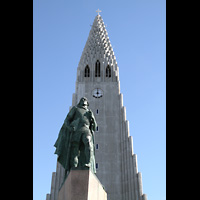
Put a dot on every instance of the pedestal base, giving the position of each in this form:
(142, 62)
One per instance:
(82, 185)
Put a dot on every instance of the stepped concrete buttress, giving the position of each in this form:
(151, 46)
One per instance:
(82, 185)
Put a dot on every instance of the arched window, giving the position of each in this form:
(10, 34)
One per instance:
(108, 71)
(87, 71)
(97, 69)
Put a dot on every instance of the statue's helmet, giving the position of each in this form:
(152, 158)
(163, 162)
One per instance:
(82, 100)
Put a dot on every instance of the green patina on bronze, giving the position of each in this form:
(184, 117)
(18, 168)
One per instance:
(75, 144)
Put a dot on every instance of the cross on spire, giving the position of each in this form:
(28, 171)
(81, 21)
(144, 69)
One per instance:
(98, 11)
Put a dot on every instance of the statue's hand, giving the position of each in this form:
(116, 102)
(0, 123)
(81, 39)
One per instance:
(90, 113)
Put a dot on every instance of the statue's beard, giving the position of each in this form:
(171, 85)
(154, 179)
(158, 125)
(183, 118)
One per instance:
(84, 105)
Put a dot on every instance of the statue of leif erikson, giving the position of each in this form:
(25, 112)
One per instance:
(75, 143)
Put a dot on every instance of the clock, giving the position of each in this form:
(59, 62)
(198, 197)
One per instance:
(97, 93)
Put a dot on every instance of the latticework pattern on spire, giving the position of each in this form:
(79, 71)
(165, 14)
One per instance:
(98, 46)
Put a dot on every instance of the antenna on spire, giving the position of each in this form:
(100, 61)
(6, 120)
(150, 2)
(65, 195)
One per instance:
(98, 11)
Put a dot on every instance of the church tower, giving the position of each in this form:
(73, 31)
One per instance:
(98, 80)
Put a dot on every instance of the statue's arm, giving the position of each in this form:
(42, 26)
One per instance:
(70, 116)
(93, 121)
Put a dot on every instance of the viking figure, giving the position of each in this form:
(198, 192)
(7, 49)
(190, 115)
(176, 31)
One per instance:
(75, 143)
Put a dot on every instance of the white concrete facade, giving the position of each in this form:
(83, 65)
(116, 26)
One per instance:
(117, 164)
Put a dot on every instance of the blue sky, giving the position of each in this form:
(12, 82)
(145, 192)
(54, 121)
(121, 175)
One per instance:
(137, 31)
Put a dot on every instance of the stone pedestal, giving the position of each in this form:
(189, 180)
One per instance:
(82, 185)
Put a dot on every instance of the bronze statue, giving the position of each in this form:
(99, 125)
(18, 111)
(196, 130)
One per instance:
(75, 143)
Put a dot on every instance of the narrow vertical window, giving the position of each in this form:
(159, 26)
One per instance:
(97, 69)
(87, 71)
(108, 71)
(97, 111)
(97, 128)
(97, 165)
(97, 146)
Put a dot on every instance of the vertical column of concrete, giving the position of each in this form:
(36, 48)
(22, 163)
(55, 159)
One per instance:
(112, 72)
(103, 69)
(123, 141)
(90, 66)
(129, 151)
(128, 160)
(124, 153)
(59, 179)
(48, 197)
(125, 163)
(131, 166)
(122, 148)
(140, 184)
(144, 197)
(53, 182)
(135, 176)
(57, 182)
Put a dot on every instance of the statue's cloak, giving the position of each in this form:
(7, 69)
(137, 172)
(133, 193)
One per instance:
(62, 145)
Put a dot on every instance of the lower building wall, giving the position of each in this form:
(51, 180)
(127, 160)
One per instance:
(118, 164)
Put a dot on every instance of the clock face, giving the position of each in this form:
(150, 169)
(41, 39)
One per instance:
(97, 93)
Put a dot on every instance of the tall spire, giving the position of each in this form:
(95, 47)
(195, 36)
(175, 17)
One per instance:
(98, 45)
